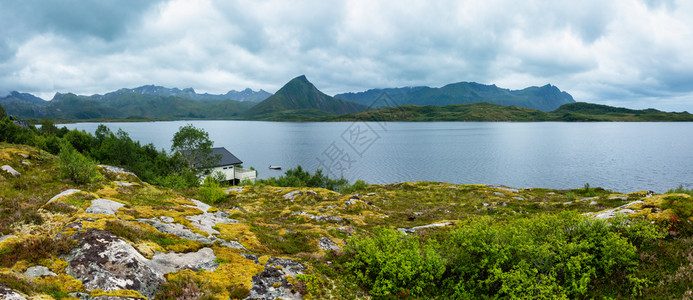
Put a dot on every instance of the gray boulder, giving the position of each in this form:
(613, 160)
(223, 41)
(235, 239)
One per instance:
(326, 243)
(104, 261)
(172, 262)
(38, 271)
(271, 283)
(104, 206)
(10, 170)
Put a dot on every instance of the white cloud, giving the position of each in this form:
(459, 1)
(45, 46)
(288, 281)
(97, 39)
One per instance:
(623, 52)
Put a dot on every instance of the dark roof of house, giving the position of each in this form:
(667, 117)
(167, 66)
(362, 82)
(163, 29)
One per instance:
(227, 158)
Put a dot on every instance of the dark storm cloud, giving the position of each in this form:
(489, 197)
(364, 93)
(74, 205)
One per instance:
(634, 52)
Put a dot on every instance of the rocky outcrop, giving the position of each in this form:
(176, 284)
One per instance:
(62, 194)
(610, 213)
(104, 206)
(165, 263)
(326, 243)
(166, 225)
(206, 221)
(104, 261)
(414, 229)
(272, 284)
(10, 294)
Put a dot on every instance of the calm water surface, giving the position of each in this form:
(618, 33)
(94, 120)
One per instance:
(623, 157)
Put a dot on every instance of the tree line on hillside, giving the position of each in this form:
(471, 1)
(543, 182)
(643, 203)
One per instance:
(173, 170)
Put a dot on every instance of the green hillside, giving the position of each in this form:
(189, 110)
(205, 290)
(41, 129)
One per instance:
(300, 94)
(545, 98)
(572, 112)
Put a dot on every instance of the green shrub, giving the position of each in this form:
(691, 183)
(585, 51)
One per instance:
(76, 167)
(392, 264)
(546, 256)
(210, 192)
(298, 177)
(680, 190)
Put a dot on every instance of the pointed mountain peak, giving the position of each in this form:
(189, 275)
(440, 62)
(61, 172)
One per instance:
(301, 78)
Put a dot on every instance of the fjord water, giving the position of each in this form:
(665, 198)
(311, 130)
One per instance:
(623, 157)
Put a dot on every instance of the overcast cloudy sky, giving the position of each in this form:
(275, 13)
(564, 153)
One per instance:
(632, 53)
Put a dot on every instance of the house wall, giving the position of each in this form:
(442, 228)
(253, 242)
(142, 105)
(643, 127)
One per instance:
(229, 172)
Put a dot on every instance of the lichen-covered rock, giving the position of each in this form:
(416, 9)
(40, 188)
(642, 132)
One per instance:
(206, 220)
(118, 174)
(165, 263)
(185, 233)
(38, 271)
(10, 170)
(104, 206)
(326, 243)
(272, 284)
(414, 229)
(104, 261)
(610, 213)
(292, 195)
(62, 194)
(10, 294)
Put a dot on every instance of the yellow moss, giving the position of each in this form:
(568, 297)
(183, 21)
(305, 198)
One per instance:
(148, 248)
(664, 216)
(212, 210)
(107, 191)
(99, 222)
(7, 153)
(241, 233)
(188, 246)
(9, 240)
(66, 283)
(277, 284)
(55, 264)
(238, 271)
(117, 293)
(21, 266)
(126, 217)
(263, 259)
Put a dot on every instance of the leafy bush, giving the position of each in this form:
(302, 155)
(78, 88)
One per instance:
(210, 192)
(76, 167)
(299, 177)
(680, 190)
(393, 264)
(548, 256)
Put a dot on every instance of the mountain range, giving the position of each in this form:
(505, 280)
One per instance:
(189, 93)
(545, 98)
(300, 100)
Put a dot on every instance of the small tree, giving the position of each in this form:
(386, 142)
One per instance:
(75, 166)
(195, 148)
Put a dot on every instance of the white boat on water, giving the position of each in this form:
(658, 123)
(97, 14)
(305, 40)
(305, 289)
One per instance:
(275, 167)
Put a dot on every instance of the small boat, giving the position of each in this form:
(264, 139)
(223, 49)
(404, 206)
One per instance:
(275, 167)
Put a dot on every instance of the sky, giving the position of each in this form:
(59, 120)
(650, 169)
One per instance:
(628, 53)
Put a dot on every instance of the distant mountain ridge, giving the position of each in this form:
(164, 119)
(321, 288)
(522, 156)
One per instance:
(122, 104)
(189, 93)
(545, 98)
(300, 97)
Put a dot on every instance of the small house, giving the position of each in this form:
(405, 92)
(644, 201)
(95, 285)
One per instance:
(231, 167)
